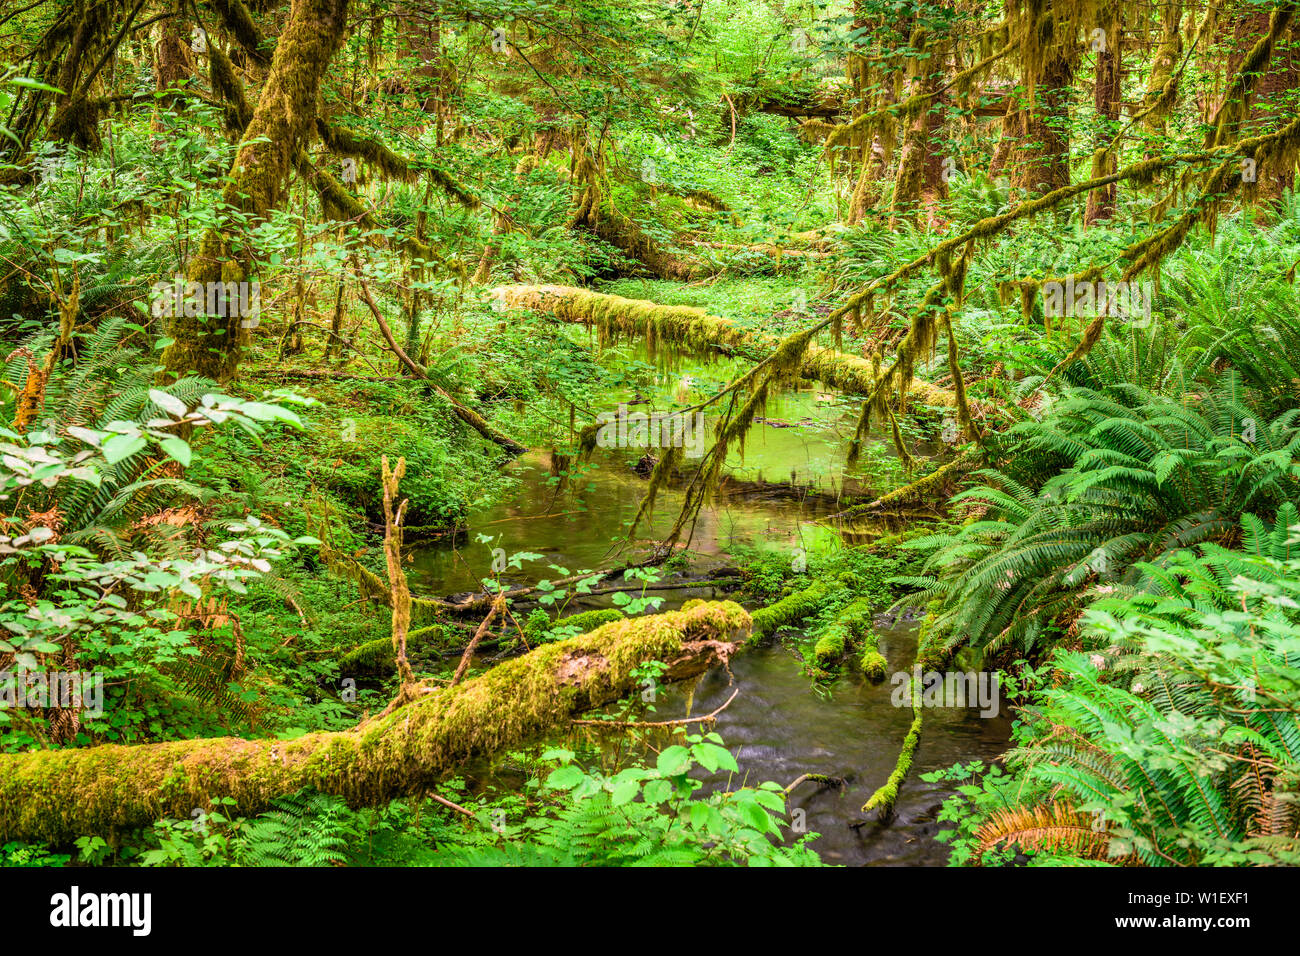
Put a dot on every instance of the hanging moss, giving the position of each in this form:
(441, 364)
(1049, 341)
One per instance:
(929, 490)
(239, 24)
(345, 142)
(898, 114)
(58, 795)
(614, 316)
(1162, 85)
(340, 204)
(1232, 110)
(226, 85)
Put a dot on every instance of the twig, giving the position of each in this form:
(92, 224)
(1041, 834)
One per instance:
(452, 806)
(657, 723)
(498, 605)
(467, 415)
(818, 777)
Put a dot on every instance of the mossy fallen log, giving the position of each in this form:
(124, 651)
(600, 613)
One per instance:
(795, 607)
(851, 624)
(694, 328)
(378, 656)
(870, 661)
(59, 795)
(884, 798)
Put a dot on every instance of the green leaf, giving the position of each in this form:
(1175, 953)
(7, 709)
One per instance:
(625, 792)
(565, 778)
(118, 447)
(756, 817)
(178, 449)
(711, 757)
(674, 760)
(170, 403)
(657, 791)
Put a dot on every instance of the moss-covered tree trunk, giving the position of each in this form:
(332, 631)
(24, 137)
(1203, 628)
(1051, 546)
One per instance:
(868, 153)
(1042, 161)
(59, 795)
(172, 63)
(282, 122)
(1107, 101)
(922, 176)
(1050, 51)
(1267, 98)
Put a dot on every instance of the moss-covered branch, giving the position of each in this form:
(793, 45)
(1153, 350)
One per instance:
(930, 488)
(795, 607)
(59, 795)
(694, 328)
(885, 797)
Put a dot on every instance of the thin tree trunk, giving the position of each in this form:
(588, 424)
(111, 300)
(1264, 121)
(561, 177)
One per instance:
(1107, 102)
(284, 119)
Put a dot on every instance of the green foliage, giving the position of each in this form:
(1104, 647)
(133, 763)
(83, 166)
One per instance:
(646, 816)
(114, 610)
(308, 829)
(1104, 486)
(1178, 732)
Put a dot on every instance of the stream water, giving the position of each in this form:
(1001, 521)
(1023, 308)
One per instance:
(780, 726)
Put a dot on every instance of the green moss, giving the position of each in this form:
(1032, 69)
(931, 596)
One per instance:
(795, 608)
(851, 625)
(872, 663)
(614, 316)
(585, 621)
(378, 656)
(540, 629)
(829, 649)
(57, 795)
(885, 797)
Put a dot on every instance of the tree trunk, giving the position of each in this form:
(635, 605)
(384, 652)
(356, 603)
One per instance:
(923, 169)
(282, 122)
(172, 63)
(1107, 100)
(922, 177)
(1267, 98)
(59, 795)
(1043, 157)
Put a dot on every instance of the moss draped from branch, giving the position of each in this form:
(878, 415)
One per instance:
(695, 329)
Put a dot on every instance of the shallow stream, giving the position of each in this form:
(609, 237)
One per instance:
(780, 726)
